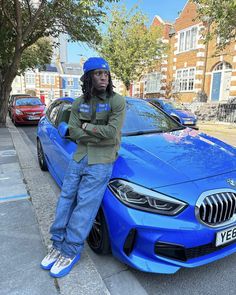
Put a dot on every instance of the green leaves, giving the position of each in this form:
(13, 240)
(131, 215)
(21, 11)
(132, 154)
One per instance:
(128, 45)
(220, 14)
(37, 54)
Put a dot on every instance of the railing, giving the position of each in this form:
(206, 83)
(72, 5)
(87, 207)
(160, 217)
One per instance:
(227, 112)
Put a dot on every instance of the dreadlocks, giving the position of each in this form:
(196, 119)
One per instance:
(87, 86)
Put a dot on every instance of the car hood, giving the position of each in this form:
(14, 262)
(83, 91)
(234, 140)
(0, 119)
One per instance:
(158, 160)
(37, 108)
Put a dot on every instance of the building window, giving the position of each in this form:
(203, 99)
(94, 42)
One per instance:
(153, 84)
(30, 79)
(185, 80)
(70, 82)
(188, 39)
(47, 79)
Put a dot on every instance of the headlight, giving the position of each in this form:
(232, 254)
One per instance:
(18, 112)
(141, 198)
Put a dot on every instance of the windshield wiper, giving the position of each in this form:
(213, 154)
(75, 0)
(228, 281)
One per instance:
(134, 133)
(176, 129)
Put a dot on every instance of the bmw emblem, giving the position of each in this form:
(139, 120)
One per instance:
(231, 181)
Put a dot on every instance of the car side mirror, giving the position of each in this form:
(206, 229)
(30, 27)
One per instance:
(63, 129)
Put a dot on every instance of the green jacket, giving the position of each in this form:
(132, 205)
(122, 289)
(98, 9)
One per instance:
(101, 139)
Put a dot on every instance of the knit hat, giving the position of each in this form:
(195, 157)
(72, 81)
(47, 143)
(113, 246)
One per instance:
(95, 63)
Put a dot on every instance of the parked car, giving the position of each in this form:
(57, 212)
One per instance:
(176, 110)
(26, 110)
(13, 97)
(171, 200)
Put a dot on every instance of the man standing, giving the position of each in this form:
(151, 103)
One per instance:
(95, 124)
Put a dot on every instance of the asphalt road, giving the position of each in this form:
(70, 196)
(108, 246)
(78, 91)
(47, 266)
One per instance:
(213, 279)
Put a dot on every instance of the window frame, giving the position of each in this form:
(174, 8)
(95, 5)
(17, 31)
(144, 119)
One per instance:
(184, 79)
(187, 40)
(153, 85)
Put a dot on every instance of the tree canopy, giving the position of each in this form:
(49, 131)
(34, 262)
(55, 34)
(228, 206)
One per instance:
(220, 13)
(128, 44)
(24, 22)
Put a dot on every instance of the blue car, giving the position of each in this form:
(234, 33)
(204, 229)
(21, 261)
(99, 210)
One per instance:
(176, 110)
(171, 200)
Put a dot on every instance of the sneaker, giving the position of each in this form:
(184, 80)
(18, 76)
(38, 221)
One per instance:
(50, 259)
(63, 266)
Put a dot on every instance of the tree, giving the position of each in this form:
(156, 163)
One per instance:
(128, 45)
(24, 22)
(220, 13)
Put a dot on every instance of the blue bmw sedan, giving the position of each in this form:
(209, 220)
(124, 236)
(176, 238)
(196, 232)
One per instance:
(171, 200)
(176, 110)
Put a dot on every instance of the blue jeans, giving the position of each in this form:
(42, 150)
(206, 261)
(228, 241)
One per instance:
(81, 196)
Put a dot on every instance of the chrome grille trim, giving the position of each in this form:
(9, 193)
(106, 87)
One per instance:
(216, 208)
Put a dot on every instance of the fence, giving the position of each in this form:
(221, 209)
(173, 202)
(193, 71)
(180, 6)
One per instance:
(226, 113)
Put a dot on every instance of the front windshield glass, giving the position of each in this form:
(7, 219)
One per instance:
(142, 117)
(28, 101)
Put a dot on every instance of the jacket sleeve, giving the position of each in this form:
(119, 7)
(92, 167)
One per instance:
(75, 130)
(115, 121)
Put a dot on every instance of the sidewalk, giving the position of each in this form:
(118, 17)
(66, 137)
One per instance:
(25, 216)
(21, 246)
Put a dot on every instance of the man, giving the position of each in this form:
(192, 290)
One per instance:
(95, 124)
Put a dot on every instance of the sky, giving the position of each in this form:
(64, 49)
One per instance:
(166, 9)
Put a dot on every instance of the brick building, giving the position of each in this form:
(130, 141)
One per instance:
(191, 66)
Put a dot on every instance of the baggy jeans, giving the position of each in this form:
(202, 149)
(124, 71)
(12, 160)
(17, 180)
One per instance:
(81, 196)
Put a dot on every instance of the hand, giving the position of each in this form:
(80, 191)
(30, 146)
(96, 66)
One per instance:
(84, 125)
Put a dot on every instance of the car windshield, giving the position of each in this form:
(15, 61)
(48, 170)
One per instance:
(175, 105)
(143, 118)
(28, 101)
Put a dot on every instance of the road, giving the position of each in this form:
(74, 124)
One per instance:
(213, 279)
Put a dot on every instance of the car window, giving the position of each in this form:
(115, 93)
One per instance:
(53, 111)
(141, 116)
(28, 101)
(64, 114)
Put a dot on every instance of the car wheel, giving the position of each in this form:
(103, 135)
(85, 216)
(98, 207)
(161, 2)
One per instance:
(41, 157)
(98, 238)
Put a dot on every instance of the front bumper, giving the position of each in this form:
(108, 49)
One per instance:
(25, 119)
(142, 240)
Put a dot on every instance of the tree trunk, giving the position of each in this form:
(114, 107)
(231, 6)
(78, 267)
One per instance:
(6, 79)
(5, 89)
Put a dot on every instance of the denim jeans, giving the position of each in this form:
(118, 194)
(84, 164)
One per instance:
(81, 196)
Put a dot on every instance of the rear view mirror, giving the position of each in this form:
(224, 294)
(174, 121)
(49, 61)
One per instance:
(63, 129)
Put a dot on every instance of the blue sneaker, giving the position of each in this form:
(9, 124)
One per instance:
(63, 266)
(50, 259)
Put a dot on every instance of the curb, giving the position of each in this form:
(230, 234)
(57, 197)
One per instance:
(84, 279)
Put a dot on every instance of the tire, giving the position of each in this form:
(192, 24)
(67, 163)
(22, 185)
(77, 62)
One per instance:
(41, 157)
(98, 238)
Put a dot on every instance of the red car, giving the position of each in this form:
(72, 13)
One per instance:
(26, 110)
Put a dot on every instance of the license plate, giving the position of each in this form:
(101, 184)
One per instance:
(188, 122)
(33, 117)
(226, 236)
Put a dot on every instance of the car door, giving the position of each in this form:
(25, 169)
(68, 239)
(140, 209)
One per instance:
(47, 127)
(63, 148)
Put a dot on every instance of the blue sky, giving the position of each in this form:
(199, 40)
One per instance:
(166, 9)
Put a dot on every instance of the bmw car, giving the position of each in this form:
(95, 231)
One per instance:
(171, 200)
(176, 110)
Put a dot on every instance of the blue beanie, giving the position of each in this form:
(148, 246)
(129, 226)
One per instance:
(95, 63)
